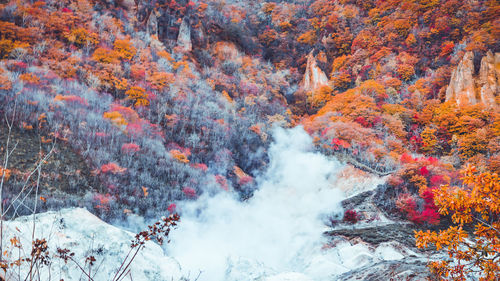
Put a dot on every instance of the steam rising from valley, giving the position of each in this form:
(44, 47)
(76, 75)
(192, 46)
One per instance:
(278, 230)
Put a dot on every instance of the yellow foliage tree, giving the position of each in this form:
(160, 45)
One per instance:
(5, 83)
(124, 49)
(179, 156)
(80, 36)
(116, 118)
(308, 37)
(429, 141)
(410, 40)
(339, 62)
(6, 46)
(104, 55)
(138, 95)
(4, 173)
(477, 203)
(160, 80)
(406, 71)
(472, 144)
(342, 80)
(320, 96)
(29, 78)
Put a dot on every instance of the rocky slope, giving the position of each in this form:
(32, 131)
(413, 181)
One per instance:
(388, 243)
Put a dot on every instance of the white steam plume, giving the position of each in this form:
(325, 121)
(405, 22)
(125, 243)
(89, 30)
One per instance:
(280, 227)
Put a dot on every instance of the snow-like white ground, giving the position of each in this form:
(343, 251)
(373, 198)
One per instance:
(84, 234)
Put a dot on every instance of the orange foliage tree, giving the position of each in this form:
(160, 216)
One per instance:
(320, 96)
(81, 36)
(160, 80)
(104, 55)
(124, 49)
(477, 203)
(429, 141)
(308, 37)
(406, 71)
(138, 95)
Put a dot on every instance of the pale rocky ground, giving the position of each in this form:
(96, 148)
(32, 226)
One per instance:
(85, 234)
(343, 258)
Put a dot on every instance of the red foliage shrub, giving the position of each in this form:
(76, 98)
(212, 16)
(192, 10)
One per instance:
(189, 192)
(437, 180)
(102, 200)
(394, 180)
(200, 166)
(446, 48)
(362, 121)
(430, 213)
(430, 216)
(339, 144)
(130, 147)
(351, 216)
(377, 120)
(112, 168)
(101, 134)
(245, 180)
(222, 181)
(128, 113)
(424, 171)
(408, 204)
(17, 66)
(433, 160)
(171, 208)
(406, 158)
(135, 129)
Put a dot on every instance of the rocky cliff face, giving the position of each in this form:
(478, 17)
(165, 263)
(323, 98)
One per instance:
(314, 77)
(184, 38)
(489, 78)
(467, 88)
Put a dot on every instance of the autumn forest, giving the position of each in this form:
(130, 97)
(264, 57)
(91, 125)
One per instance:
(135, 109)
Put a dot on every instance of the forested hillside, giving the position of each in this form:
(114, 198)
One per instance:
(130, 107)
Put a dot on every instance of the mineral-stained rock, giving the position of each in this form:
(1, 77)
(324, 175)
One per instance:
(314, 77)
(461, 87)
(391, 242)
(489, 76)
(467, 88)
